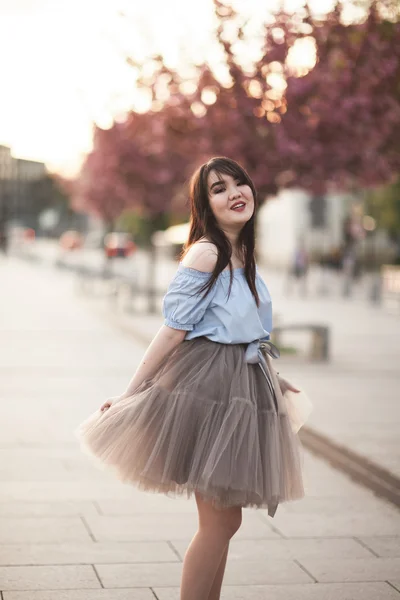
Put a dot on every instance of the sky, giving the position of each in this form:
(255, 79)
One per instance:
(62, 65)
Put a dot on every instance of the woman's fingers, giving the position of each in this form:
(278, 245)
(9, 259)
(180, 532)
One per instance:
(292, 388)
(286, 385)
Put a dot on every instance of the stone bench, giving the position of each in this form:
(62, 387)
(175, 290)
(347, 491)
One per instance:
(320, 338)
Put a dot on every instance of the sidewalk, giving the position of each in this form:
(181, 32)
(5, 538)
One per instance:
(69, 531)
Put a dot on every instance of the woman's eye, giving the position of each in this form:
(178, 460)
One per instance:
(219, 190)
(241, 183)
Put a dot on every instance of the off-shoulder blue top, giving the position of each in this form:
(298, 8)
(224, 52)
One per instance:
(227, 320)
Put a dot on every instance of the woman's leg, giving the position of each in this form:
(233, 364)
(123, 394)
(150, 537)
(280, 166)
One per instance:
(204, 557)
(215, 592)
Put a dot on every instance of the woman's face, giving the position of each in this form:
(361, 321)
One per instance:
(231, 200)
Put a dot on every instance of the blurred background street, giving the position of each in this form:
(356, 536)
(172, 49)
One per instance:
(106, 109)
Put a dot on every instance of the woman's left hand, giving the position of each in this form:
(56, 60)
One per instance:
(285, 385)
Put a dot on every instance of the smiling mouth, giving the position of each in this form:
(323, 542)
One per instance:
(238, 205)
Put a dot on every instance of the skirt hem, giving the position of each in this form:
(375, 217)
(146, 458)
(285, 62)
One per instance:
(205, 423)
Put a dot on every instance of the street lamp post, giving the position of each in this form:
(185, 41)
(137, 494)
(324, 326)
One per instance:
(3, 218)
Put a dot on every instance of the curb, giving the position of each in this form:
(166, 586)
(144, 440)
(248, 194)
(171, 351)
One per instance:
(359, 468)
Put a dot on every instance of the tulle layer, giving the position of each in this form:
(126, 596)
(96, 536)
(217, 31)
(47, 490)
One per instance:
(206, 422)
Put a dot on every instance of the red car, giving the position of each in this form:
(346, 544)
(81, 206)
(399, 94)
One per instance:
(118, 245)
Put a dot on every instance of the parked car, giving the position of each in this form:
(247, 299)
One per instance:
(29, 234)
(118, 244)
(19, 234)
(71, 240)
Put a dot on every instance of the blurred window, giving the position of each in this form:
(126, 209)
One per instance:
(318, 212)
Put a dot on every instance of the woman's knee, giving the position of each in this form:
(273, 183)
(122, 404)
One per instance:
(224, 521)
(232, 522)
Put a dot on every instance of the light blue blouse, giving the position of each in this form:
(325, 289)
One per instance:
(232, 320)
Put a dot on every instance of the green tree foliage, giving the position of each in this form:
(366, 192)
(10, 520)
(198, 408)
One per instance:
(383, 204)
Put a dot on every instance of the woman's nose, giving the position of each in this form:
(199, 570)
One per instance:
(235, 193)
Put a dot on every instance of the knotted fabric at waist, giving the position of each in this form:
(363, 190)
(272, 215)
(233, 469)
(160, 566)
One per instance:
(254, 351)
(254, 355)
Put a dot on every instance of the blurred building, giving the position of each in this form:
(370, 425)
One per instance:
(296, 218)
(320, 224)
(7, 173)
(16, 178)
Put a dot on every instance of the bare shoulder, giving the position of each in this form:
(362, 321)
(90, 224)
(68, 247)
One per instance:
(201, 256)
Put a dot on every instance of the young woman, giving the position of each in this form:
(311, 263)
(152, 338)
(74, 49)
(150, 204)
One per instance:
(204, 413)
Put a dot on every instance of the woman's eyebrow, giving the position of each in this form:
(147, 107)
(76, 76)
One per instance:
(219, 182)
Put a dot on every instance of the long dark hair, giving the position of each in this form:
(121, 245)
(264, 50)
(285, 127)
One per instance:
(204, 224)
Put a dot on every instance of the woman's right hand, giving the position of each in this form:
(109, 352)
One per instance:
(110, 402)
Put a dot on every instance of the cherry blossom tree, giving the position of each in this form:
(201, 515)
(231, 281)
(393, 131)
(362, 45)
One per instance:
(141, 163)
(334, 123)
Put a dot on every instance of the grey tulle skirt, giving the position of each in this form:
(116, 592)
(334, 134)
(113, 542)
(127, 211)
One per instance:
(207, 422)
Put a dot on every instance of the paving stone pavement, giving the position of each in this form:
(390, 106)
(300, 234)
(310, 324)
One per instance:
(70, 531)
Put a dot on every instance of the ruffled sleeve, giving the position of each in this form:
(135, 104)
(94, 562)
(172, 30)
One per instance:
(183, 305)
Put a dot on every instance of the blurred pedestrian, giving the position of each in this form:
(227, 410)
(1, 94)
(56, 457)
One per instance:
(298, 270)
(205, 412)
(348, 271)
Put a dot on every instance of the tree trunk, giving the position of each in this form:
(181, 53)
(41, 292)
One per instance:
(107, 265)
(156, 222)
(151, 277)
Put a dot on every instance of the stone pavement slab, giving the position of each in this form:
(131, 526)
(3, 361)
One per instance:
(42, 474)
(320, 591)
(284, 549)
(144, 527)
(86, 553)
(144, 575)
(48, 578)
(353, 569)
(146, 503)
(345, 523)
(329, 504)
(43, 491)
(383, 546)
(100, 594)
(261, 571)
(238, 573)
(29, 530)
(29, 453)
(47, 509)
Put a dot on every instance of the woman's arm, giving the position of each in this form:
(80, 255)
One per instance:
(201, 257)
(164, 342)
